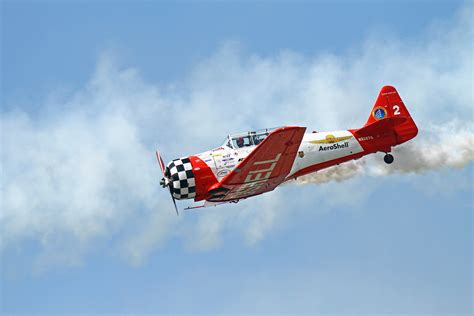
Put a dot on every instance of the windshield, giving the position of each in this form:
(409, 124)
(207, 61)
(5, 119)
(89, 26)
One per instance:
(227, 143)
(239, 142)
(248, 139)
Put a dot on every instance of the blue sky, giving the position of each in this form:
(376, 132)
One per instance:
(89, 91)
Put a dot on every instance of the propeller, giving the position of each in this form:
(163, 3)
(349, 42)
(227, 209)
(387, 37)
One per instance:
(165, 182)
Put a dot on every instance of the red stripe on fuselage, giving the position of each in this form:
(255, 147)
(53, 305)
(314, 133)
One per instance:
(324, 165)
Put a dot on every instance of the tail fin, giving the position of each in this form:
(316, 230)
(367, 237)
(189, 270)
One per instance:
(389, 111)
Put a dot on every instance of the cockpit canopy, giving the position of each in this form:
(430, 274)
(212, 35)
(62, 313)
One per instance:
(247, 139)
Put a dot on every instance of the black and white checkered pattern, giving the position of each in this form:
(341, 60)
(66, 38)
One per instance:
(182, 178)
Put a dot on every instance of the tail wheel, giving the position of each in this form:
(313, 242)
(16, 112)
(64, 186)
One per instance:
(388, 158)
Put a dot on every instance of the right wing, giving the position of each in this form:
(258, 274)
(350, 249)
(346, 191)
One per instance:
(263, 169)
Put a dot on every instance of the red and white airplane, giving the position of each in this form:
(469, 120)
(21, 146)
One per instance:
(252, 163)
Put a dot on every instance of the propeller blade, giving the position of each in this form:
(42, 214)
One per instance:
(170, 184)
(175, 207)
(160, 162)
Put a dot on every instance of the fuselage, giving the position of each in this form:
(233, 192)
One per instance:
(317, 151)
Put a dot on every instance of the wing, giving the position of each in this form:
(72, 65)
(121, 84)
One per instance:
(263, 169)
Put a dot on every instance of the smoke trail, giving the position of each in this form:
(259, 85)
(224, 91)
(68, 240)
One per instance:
(449, 146)
(338, 173)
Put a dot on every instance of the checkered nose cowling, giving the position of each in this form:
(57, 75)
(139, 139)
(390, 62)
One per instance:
(183, 185)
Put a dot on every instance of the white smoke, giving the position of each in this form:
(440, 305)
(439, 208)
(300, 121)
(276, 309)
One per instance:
(339, 173)
(79, 172)
(449, 146)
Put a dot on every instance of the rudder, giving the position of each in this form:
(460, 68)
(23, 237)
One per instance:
(390, 106)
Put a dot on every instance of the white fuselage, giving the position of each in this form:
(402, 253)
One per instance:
(316, 148)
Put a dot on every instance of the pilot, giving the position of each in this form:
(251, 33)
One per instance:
(256, 140)
(240, 142)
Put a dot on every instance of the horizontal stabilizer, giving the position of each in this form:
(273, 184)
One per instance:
(382, 126)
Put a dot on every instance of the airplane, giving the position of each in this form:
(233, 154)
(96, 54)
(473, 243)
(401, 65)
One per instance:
(251, 163)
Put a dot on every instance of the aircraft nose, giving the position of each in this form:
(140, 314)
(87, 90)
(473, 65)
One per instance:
(181, 177)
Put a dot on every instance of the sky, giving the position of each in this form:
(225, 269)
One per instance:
(90, 90)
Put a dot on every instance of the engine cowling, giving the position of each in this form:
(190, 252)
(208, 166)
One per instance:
(181, 176)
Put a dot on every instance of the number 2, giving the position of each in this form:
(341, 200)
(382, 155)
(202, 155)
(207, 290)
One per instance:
(396, 110)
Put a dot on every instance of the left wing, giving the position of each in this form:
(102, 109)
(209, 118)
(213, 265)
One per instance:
(263, 169)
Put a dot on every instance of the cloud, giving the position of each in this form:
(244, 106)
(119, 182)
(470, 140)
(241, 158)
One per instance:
(78, 170)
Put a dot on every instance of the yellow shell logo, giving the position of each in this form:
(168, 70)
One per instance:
(330, 139)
